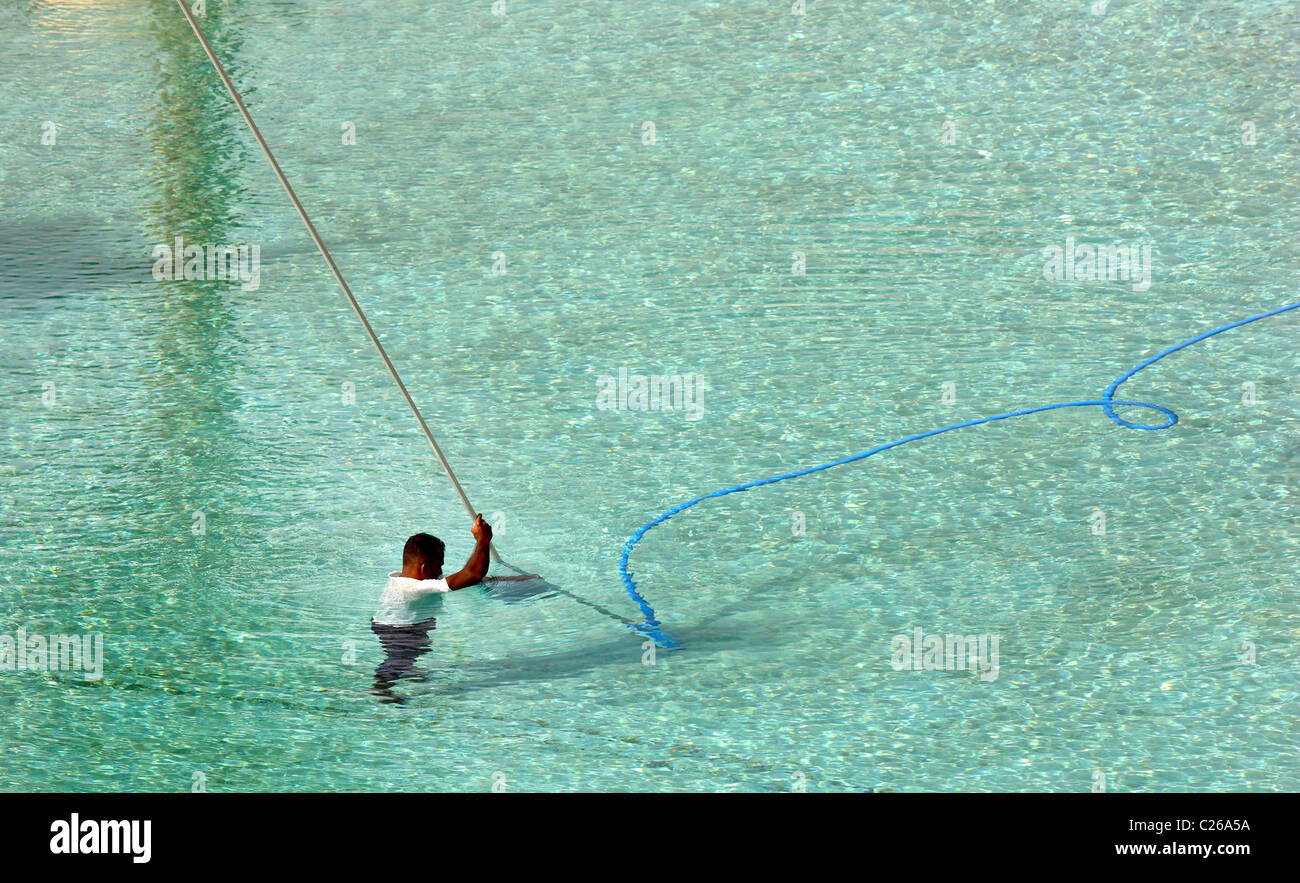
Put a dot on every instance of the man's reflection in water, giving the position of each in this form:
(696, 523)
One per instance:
(403, 644)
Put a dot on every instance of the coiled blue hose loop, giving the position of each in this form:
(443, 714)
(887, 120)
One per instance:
(650, 627)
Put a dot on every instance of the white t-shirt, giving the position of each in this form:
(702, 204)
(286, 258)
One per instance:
(406, 601)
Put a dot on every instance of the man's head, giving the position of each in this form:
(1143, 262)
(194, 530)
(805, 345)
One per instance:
(422, 557)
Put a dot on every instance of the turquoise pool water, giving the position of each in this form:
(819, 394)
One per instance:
(240, 656)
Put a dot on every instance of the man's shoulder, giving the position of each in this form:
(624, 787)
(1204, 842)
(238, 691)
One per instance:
(406, 583)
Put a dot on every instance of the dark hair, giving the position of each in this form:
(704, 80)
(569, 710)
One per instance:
(423, 548)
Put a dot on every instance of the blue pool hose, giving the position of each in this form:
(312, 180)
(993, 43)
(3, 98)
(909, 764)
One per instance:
(650, 628)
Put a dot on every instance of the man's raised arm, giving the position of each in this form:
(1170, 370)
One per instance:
(477, 566)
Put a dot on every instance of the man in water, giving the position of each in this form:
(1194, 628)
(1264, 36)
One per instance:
(403, 621)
